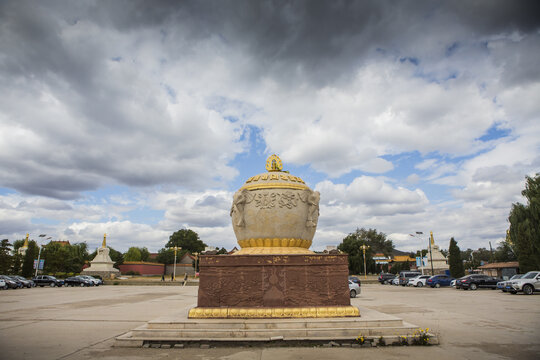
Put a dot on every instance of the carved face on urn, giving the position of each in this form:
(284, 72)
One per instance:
(275, 213)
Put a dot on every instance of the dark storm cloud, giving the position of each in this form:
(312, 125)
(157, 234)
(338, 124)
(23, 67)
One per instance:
(320, 41)
(109, 134)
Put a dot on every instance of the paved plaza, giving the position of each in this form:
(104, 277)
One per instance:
(81, 323)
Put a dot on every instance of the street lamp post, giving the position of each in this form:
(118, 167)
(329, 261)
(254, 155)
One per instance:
(39, 253)
(176, 248)
(364, 247)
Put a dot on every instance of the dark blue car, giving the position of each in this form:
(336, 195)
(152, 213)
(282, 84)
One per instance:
(439, 280)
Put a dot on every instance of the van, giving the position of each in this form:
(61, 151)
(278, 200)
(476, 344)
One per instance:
(404, 276)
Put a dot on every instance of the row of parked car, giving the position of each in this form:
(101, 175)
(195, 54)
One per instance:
(527, 283)
(18, 282)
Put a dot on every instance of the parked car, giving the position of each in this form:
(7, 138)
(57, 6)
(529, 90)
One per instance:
(3, 285)
(404, 276)
(47, 280)
(10, 283)
(453, 283)
(78, 281)
(476, 281)
(92, 279)
(17, 281)
(354, 289)
(386, 278)
(355, 280)
(529, 283)
(418, 281)
(395, 281)
(505, 285)
(25, 282)
(436, 281)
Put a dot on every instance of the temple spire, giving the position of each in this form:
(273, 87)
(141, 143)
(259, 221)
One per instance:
(26, 241)
(104, 244)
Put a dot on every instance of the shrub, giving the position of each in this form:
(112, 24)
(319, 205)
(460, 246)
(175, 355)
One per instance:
(421, 337)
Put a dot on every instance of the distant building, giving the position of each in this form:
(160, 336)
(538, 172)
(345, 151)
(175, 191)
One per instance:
(60, 242)
(331, 247)
(381, 259)
(502, 270)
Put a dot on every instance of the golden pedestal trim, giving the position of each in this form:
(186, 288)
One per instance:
(295, 246)
(274, 251)
(274, 313)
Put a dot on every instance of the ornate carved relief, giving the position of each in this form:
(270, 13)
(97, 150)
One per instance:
(266, 200)
(312, 198)
(240, 199)
(286, 199)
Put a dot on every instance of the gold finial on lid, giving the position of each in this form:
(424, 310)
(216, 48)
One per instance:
(273, 163)
(104, 244)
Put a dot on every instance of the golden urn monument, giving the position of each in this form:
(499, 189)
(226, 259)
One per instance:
(275, 213)
(274, 275)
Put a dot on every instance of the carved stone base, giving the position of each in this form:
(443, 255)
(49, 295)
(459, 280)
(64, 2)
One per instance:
(253, 282)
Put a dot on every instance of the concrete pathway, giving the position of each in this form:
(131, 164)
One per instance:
(81, 323)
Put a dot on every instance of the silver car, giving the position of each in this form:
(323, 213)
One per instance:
(354, 289)
(529, 283)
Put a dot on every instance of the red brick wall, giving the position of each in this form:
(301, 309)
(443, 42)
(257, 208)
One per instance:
(142, 268)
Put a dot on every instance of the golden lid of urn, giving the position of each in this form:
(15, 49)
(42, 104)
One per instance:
(276, 178)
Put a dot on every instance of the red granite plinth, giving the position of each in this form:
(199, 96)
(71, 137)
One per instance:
(256, 281)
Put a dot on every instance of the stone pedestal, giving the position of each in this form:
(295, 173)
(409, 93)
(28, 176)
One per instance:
(273, 286)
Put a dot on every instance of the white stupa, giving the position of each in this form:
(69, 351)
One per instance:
(440, 263)
(102, 265)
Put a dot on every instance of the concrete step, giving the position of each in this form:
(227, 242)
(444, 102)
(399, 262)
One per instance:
(178, 329)
(240, 324)
(265, 334)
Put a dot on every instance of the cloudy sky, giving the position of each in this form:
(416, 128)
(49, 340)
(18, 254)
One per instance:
(139, 118)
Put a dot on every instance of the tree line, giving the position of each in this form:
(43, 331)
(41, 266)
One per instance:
(64, 258)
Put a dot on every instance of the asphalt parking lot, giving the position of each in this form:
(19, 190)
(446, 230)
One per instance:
(81, 323)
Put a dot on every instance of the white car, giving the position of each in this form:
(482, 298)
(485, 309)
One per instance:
(453, 283)
(418, 281)
(95, 281)
(354, 289)
(529, 283)
(3, 284)
(395, 281)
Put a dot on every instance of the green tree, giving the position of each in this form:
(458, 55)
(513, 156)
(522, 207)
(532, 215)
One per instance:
(18, 244)
(78, 255)
(376, 241)
(145, 254)
(454, 261)
(28, 261)
(6, 259)
(222, 251)
(186, 239)
(166, 255)
(504, 253)
(17, 264)
(524, 229)
(133, 254)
